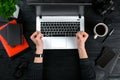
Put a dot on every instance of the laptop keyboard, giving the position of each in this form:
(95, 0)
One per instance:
(54, 29)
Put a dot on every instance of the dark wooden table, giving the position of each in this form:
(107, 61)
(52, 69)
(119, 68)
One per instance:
(94, 47)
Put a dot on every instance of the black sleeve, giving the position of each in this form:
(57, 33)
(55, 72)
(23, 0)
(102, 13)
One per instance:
(87, 71)
(36, 71)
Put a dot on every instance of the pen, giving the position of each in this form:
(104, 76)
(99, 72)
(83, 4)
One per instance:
(110, 33)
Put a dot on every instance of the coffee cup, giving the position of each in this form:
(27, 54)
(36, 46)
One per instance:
(100, 30)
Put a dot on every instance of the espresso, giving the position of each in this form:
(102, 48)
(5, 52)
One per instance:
(100, 30)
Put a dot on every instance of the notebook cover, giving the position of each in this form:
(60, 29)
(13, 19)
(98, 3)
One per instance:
(4, 34)
(5, 25)
(11, 51)
(14, 34)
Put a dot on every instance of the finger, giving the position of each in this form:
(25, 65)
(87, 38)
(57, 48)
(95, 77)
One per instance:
(34, 35)
(80, 31)
(42, 35)
(85, 35)
(38, 32)
(77, 35)
(39, 36)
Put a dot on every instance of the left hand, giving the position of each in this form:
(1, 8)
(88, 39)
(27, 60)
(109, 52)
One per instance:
(36, 37)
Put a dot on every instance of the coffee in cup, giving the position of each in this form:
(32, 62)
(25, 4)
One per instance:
(100, 30)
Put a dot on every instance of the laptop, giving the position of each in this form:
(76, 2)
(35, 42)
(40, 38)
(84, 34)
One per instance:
(59, 24)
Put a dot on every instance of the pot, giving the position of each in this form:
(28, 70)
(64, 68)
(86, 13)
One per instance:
(16, 13)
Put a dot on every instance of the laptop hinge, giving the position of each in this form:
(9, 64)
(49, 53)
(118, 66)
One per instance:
(39, 11)
(38, 18)
(81, 18)
(81, 11)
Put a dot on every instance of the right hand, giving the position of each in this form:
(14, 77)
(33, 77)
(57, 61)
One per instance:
(81, 39)
(36, 37)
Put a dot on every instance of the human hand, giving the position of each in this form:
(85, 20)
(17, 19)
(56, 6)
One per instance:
(81, 39)
(36, 37)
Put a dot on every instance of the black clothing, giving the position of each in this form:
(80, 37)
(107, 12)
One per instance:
(65, 67)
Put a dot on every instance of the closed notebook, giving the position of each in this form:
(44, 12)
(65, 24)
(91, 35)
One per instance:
(14, 34)
(3, 32)
(11, 51)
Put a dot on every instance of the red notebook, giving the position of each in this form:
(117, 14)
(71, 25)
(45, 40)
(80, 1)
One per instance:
(11, 51)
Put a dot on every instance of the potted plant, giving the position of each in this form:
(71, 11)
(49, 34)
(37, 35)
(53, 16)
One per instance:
(9, 8)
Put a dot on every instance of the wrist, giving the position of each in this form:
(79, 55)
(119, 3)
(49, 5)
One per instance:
(39, 51)
(82, 53)
(38, 60)
(81, 48)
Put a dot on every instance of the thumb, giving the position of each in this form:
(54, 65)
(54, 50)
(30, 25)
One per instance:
(77, 36)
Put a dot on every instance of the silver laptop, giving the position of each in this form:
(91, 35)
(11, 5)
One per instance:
(60, 23)
(59, 31)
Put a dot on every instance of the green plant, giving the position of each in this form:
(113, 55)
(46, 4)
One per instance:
(7, 8)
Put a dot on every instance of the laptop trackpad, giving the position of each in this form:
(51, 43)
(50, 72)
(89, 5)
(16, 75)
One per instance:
(58, 43)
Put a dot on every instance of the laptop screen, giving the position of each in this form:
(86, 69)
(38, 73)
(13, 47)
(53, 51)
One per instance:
(58, 1)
